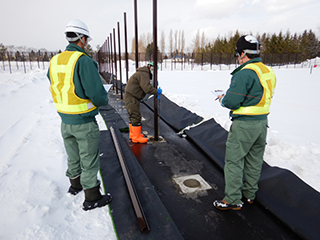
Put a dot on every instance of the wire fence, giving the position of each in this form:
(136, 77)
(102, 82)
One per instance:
(28, 61)
(203, 61)
(25, 61)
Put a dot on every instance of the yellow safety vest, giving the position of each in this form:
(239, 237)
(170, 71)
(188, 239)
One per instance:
(62, 86)
(268, 81)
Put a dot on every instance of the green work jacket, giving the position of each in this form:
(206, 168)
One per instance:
(88, 85)
(245, 90)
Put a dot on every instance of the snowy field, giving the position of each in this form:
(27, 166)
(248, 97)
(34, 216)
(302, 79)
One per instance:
(34, 202)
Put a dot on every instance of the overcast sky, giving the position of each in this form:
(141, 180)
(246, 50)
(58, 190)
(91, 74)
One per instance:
(41, 24)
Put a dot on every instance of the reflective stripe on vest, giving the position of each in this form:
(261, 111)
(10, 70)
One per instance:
(268, 82)
(62, 86)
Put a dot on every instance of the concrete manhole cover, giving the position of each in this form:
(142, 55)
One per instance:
(192, 183)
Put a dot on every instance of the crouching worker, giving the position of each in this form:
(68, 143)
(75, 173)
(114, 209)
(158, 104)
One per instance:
(77, 91)
(136, 89)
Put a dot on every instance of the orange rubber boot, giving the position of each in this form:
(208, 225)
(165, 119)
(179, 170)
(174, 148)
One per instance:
(136, 137)
(130, 131)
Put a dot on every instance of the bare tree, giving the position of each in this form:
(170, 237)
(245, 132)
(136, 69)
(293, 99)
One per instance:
(175, 41)
(143, 41)
(183, 41)
(133, 45)
(149, 38)
(179, 42)
(162, 43)
(203, 41)
(171, 42)
(196, 42)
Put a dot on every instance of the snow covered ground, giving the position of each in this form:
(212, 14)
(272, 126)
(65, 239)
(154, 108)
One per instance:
(34, 202)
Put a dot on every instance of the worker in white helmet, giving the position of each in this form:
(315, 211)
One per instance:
(77, 92)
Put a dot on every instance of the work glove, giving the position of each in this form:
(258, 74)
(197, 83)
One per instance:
(159, 92)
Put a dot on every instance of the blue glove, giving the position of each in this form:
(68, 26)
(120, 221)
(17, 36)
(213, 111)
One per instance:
(159, 92)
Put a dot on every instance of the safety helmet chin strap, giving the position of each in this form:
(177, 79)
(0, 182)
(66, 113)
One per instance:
(78, 37)
(248, 51)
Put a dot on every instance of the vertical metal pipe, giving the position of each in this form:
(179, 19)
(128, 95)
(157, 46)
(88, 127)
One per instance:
(103, 54)
(24, 64)
(115, 59)
(106, 54)
(9, 62)
(126, 46)
(136, 32)
(120, 70)
(201, 61)
(30, 61)
(39, 59)
(111, 55)
(155, 70)
(2, 55)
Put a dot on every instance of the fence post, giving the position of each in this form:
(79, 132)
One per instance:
(24, 64)
(115, 58)
(39, 59)
(126, 46)
(30, 61)
(9, 62)
(120, 70)
(155, 70)
(2, 55)
(43, 61)
(136, 33)
(201, 61)
(17, 64)
(111, 58)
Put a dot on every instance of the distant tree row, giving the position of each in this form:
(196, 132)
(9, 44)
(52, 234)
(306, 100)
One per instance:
(306, 44)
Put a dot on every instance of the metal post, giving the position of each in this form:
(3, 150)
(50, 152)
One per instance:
(111, 59)
(121, 96)
(126, 46)
(24, 64)
(155, 70)
(2, 55)
(39, 59)
(9, 62)
(30, 61)
(136, 32)
(115, 58)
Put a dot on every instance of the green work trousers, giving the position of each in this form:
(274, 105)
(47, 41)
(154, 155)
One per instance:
(133, 108)
(244, 157)
(82, 146)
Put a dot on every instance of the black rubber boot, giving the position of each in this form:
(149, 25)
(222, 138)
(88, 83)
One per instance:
(75, 187)
(94, 199)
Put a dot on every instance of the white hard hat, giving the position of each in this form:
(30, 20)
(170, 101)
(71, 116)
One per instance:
(77, 26)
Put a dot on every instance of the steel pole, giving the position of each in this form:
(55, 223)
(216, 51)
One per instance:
(126, 46)
(136, 32)
(111, 56)
(120, 70)
(115, 58)
(155, 70)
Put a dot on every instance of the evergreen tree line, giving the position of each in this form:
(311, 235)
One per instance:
(275, 48)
